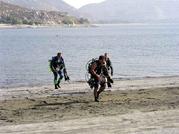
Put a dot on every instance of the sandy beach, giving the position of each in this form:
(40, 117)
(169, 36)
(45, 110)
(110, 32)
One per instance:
(145, 105)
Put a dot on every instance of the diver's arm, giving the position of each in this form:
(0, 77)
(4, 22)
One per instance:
(111, 70)
(52, 65)
(53, 69)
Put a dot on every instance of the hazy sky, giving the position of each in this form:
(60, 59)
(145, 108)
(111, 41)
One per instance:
(79, 3)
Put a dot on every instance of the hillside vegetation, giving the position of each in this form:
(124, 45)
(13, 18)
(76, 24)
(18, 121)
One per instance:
(12, 14)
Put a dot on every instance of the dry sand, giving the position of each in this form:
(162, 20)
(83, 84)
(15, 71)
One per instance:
(149, 105)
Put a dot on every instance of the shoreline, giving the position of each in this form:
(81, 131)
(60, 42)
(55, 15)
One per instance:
(82, 87)
(9, 26)
(84, 81)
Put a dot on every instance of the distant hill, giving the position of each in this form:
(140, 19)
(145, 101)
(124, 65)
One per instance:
(48, 5)
(116, 11)
(12, 14)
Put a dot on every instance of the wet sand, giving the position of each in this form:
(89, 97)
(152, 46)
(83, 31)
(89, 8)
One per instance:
(149, 105)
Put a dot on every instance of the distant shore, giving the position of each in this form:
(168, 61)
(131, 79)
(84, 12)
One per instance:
(9, 26)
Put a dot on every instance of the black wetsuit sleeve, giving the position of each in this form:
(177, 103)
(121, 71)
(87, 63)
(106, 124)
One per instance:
(63, 62)
(53, 63)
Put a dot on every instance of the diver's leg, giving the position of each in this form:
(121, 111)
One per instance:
(60, 78)
(96, 94)
(96, 85)
(55, 79)
(103, 86)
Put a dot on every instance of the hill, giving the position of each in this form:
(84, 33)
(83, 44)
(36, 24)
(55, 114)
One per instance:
(115, 11)
(47, 5)
(12, 14)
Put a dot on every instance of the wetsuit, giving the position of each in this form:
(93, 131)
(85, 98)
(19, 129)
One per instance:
(57, 65)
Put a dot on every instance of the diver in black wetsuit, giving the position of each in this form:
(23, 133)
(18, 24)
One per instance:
(99, 76)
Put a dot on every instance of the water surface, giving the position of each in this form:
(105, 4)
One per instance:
(135, 51)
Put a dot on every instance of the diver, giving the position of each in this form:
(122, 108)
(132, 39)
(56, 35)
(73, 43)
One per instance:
(57, 66)
(109, 68)
(99, 76)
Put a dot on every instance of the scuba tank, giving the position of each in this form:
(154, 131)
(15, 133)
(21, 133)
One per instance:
(89, 63)
(49, 65)
(88, 78)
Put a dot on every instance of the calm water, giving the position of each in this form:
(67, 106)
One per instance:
(136, 51)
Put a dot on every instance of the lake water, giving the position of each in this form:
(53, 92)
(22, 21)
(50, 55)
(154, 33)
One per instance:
(135, 51)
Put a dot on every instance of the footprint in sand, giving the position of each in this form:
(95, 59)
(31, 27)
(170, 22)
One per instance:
(29, 99)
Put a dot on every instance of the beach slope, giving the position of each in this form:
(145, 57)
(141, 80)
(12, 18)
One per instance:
(148, 105)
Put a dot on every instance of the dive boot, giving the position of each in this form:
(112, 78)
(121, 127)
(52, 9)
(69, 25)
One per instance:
(109, 85)
(96, 99)
(58, 83)
(56, 86)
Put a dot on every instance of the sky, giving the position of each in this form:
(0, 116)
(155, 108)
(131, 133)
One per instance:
(80, 3)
